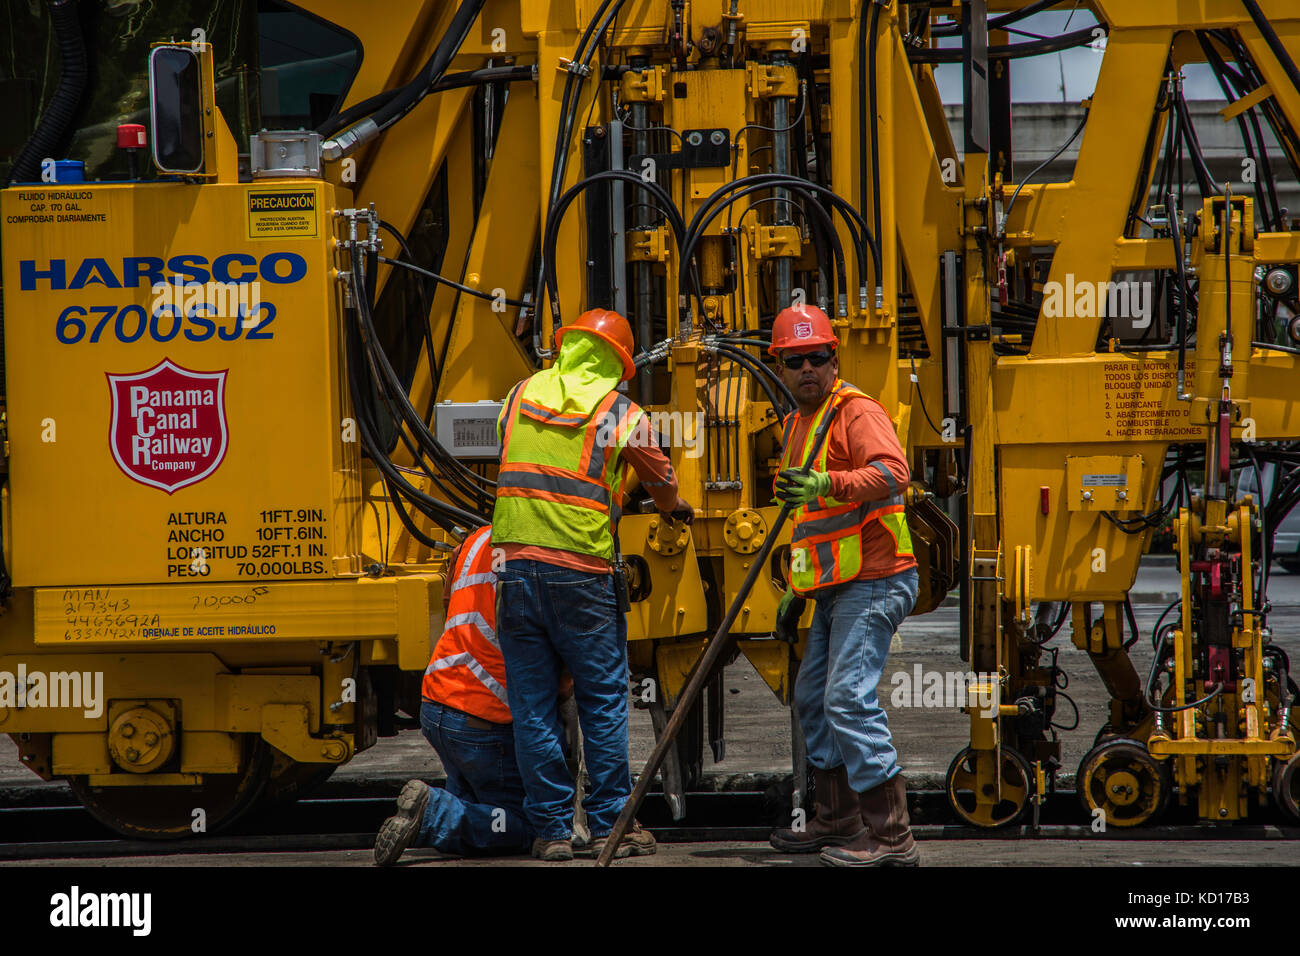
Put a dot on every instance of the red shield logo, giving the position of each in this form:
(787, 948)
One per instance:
(802, 330)
(168, 426)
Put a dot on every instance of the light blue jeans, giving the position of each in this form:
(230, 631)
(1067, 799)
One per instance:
(835, 692)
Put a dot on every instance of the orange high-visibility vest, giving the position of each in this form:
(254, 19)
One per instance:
(467, 671)
(826, 539)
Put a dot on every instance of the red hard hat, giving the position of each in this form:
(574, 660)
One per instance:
(610, 326)
(800, 326)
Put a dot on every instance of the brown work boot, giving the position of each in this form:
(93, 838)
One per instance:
(552, 851)
(887, 840)
(399, 831)
(837, 820)
(636, 842)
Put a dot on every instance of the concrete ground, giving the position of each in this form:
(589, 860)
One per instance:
(927, 738)
(1072, 853)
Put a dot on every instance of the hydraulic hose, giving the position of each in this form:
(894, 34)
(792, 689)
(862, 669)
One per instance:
(997, 23)
(825, 232)
(1083, 121)
(442, 513)
(406, 99)
(1274, 42)
(875, 128)
(451, 81)
(1204, 179)
(555, 218)
(1175, 232)
(1012, 51)
(850, 215)
(389, 385)
(56, 122)
(768, 380)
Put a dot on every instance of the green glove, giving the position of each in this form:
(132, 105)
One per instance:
(795, 488)
(783, 605)
(788, 611)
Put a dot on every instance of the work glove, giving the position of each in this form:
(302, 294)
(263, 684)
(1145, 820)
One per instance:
(788, 611)
(796, 488)
(682, 512)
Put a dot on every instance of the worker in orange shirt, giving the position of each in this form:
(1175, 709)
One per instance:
(465, 717)
(851, 552)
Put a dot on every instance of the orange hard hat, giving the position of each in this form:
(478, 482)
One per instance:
(800, 326)
(610, 326)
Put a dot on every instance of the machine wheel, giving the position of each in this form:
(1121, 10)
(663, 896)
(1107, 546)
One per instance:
(1122, 779)
(1014, 775)
(1106, 733)
(167, 813)
(1286, 786)
(291, 781)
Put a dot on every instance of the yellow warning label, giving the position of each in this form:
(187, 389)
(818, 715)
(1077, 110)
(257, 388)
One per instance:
(282, 213)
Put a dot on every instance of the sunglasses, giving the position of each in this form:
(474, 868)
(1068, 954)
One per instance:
(795, 362)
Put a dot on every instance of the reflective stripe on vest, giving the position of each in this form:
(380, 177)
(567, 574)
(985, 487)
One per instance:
(561, 476)
(826, 538)
(466, 670)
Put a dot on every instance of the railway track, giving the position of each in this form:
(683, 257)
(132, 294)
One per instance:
(49, 826)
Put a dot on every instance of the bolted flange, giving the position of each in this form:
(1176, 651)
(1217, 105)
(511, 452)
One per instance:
(744, 531)
(141, 740)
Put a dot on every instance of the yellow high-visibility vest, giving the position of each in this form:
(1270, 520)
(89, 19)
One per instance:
(561, 478)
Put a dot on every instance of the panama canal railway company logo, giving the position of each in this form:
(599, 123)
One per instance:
(168, 425)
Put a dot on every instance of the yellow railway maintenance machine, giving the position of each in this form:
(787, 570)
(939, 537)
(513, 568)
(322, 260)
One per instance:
(184, 506)
(236, 505)
(1090, 420)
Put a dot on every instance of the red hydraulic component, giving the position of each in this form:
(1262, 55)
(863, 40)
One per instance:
(1220, 668)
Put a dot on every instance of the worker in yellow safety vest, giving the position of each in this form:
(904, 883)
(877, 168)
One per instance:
(850, 551)
(568, 438)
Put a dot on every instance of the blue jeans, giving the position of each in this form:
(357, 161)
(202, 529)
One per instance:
(482, 807)
(835, 692)
(549, 617)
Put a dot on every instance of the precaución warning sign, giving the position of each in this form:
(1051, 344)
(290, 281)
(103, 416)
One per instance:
(281, 213)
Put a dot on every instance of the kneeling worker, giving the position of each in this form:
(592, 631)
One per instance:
(465, 717)
(850, 551)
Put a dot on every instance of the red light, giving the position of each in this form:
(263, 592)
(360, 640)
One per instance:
(1044, 499)
(130, 136)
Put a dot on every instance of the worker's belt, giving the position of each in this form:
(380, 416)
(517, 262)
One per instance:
(478, 723)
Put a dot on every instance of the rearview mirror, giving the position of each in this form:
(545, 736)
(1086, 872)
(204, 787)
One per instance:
(176, 109)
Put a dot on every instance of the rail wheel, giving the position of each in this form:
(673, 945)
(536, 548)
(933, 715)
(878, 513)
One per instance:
(291, 781)
(1286, 786)
(1014, 776)
(1122, 779)
(167, 813)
